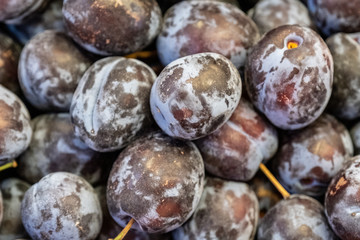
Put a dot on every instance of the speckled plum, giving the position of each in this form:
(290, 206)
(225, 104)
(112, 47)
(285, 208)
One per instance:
(269, 14)
(61, 206)
(133, 24)
(50, 18)
(157, 181)
(227, 210)
(13, 190)
(15, 129)
(111, 103)
(289, 76)
(299, 217)
(332, 16)
(355, 136)
(342, 201)
(192, 27)
(50, 68)
(195, 95)
(54, 147)
(19, 11)
(345, 99)
(309, 158)
(236, 150)
(9, 58)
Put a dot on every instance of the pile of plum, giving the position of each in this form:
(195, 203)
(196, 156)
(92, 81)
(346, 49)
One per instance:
(161, 113)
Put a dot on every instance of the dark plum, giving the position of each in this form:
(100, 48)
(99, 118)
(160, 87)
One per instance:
(269, 14)
(54, 147)
(332, 16)
(192, 27)
(289, 76)
(50, 68)
(299, 217)
(115, 27)
(110, 106)
(19, 11)
(50, 18)
(157, 181)
(355, 136)
(61, 206)
(227, 211)
(342, 201)
(309, 158)
(9, 58)
(13, 190)
(15, 129)
(195, 95)
(345, 99)
(240, 145)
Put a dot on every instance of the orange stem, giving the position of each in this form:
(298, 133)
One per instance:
(143, 54)
(12, 164)
(274, 181)
(125, 230)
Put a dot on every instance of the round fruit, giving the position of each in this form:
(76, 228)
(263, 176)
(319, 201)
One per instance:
(342, 201)
(157, 181)
(61, 206)
(195, 95)
(15, 129)
(289, 76)
(227, 211)
(110, 106)
(115, 27)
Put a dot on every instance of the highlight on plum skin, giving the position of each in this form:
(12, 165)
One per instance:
(289, 76)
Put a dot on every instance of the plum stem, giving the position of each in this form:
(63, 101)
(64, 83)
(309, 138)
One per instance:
(12, 164)
(125, 230)
(143, 54)
(274, 181)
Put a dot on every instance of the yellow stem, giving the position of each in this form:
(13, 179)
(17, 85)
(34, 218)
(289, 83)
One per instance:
(124, 231)
(274, 181)
(143, 54)
(12, 164)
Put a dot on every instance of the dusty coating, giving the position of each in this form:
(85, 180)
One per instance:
(192, 27)
(156, 180)
(309, 158)
(9, 58)
(227, 210)
(50, 18)
(61, 206)
(15, 129)
(332, 16)
(54, 147)
(355, 136)
(240, 145)
(111, 104)
(18, 11)
(290, 86)
(342, 201)
(345, 98)
(269, 14)
(110, 228)
(195, 95)
(299, 217)
(134, 24)
(13, 191)
(50, 68)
